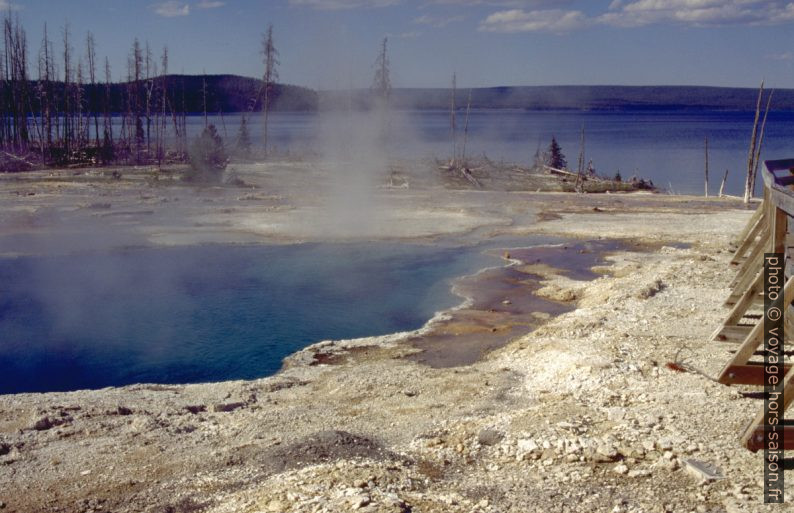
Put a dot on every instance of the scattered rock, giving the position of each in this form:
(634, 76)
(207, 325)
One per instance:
(359, 501)
(621, 469)
(650, 289)
(123, 410)
(276, 505)
(227, 407)
(489, 437)
(703, 471)
(43, 424)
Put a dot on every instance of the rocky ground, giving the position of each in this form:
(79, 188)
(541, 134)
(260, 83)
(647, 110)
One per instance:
(582, 414)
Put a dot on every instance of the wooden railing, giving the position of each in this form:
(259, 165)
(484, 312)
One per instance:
(766, 232)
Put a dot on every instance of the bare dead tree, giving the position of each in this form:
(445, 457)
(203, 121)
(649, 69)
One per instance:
(90, 47)
(748, 186)
(580, 165)
(67, 110)
(706, 146)
(204, 98)
(137, 70)
(49, 97)
(382, 82)
(466, 129)
(452, 123)
(270, 55)
(164, 103)
(757, 158)
(148, 90)
(107, 120)
(78, 102)
(722, 185)
(16, 97)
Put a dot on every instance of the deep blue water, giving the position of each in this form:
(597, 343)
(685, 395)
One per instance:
(205, 313)
(665, 146)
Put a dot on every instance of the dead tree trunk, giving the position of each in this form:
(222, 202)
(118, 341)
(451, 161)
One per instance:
(722, 185)
(466, 130)
(748, 186)
(452, 127)
(706, 143)
(757, 158)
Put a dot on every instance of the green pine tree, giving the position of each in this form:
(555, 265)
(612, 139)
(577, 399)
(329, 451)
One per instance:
(554, 155)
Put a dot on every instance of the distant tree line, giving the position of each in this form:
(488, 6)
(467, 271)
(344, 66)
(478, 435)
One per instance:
(73, 112)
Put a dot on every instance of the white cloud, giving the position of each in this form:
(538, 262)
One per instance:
(437, 21)
(5, 5)
(342, 4)
(353, 4)
(549, 20)
(637, 13)
(171, 9)
(525, 4)
(209, 4)
(785, 56)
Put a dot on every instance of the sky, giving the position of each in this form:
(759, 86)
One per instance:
(334, 43)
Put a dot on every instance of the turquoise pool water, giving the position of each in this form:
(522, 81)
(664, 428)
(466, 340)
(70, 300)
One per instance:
(208, 313)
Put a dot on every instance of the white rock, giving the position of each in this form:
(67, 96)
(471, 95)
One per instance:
(621, 469)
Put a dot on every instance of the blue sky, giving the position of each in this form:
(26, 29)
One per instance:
(333, 43)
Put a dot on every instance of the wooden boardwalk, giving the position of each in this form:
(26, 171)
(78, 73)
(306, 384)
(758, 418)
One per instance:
(768, 231)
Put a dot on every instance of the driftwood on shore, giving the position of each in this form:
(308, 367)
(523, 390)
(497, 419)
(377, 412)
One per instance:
(484, 173)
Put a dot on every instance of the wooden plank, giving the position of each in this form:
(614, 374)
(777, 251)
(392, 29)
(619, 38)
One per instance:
(755, 263)
(745, 301)
(738, 332)
(778, 229)
(735, 333)
(753, 438)
(751, 373)
(756, 335)
(748, 241)
(751, 223)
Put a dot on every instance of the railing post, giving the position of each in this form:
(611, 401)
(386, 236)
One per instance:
(779, 227)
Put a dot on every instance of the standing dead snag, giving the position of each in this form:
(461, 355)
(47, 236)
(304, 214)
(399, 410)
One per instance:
(270, 77)
(757, 158)
(580, 167)
(137, 107)
(382, 82)
(452, 123)
(748, 185)
(466, 129)
(90, 47)
(706, 143)
(722, 185)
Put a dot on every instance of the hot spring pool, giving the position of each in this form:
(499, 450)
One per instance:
(209, 313)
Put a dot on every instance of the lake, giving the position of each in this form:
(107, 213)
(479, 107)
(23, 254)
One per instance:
(664, 146)
(208, 313)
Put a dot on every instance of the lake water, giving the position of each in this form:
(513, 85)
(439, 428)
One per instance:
(666, 146)
(206, 313)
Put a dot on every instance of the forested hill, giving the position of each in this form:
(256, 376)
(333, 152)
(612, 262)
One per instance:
(594, 98)
(232, 93)
(185, 93)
